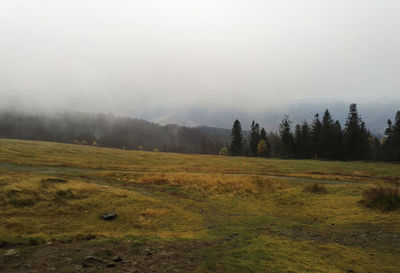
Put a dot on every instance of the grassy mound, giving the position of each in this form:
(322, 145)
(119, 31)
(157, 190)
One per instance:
(315, 188)
(385, 198)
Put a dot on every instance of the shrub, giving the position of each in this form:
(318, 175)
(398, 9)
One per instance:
(315, 188)
(54, 180)
(262, 148)
(385, 198)
(224, 151)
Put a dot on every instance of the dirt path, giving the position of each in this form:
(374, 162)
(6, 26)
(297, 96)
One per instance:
(71, 170)
(134, 256)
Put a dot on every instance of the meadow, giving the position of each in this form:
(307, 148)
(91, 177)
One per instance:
(190, 213)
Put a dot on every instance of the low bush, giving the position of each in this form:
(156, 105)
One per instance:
(385, 198)
(54, 180)
(315, 188)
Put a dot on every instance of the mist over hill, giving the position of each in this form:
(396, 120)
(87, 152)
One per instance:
(375, 114)
(108, 130)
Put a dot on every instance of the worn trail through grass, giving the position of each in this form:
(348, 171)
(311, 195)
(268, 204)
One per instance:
(69, 170)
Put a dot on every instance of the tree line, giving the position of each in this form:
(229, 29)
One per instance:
(322, 139)
(107, 130)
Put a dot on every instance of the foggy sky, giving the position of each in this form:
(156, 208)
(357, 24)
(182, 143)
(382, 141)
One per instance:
(125, 56)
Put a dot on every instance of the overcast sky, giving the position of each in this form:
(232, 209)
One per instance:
(120, 56)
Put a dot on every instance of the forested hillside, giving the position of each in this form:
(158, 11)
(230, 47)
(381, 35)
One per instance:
(107, 130)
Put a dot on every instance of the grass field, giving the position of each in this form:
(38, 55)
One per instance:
(190, 213)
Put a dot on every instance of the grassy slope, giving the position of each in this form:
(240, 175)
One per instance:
(253, 211)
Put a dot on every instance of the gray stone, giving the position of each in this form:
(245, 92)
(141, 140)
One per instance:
(93, 259)
(11, 253)
(108, 216)
(117, 259)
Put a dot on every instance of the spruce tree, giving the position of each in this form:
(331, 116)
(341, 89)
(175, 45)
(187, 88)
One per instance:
(356, 145)
(254, 138)
(306, 140)
(316, 136)
(330, 137)
(338, 154)
(236, 147)
(298, 145)
(391, 147)
(263, 136)
(285, 133)
(302, 140)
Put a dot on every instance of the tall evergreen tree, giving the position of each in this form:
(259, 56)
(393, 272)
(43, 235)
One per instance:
(391, 147)
(237, 139)
(274, 141)
(330, 137)
(298, 145)
(303, 140)
(286, 135)
(338, 154)
(263, 136)
(356, 145)
(306, 139)
(254, 138)
(316, 136)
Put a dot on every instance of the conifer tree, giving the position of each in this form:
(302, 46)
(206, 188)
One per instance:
(306, 140)
(302, 140)
(338, 154)
(286, 135)
(263, 136)
(356, 145)
(391, 147)
(254, 138)
(298, 145)
(328, 140)
(316, 136)
(236, 147)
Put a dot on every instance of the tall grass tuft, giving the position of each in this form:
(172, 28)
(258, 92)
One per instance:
(385, 198)
(315, 188)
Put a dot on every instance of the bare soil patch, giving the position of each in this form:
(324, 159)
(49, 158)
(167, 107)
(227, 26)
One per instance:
(105, 257)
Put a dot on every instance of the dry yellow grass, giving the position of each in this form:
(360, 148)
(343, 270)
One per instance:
(57, 192)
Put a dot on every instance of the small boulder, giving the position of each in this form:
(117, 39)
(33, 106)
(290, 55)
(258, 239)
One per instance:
(11, 253)
(93, 259)
(117, 259)
(108, 216)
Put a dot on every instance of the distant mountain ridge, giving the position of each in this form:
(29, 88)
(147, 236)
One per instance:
(375, 115)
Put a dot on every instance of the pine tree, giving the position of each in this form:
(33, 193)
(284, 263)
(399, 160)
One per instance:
(303, 140)
(316, 136)
(329, 139)
(263, 136)
(237, 139)
(338, 154)
(391, 147)
(306, 140)
(298, 145)
(254, 138)
(285, 133)
(356, 145)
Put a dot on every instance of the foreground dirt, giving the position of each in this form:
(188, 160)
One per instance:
(105, 257)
